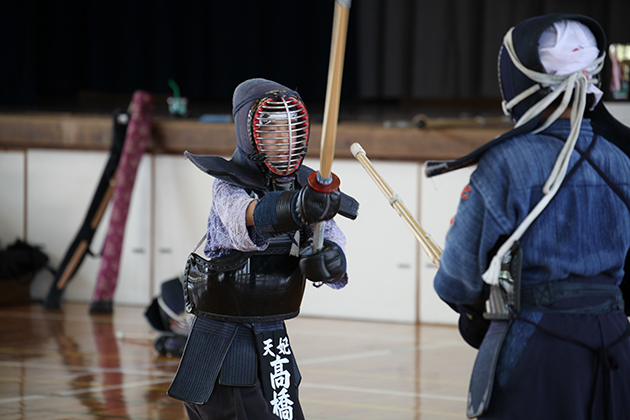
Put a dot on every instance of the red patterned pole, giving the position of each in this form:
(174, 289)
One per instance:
(136, 141)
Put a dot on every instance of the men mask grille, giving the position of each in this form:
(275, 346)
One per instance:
(280, 130)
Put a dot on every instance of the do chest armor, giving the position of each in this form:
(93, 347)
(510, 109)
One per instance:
(246, 286)
(256, 286)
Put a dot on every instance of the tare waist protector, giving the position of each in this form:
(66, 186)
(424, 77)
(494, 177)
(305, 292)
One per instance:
(245, 286)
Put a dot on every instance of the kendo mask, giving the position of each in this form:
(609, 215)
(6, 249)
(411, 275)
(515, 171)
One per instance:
(541, 61)
(272, 131)
(527, 87)
(272, 127)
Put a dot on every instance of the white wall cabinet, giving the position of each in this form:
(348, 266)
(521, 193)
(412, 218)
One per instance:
(183, 196)
(61, 185)
(12, 189)
(382, 253)
(390, 276)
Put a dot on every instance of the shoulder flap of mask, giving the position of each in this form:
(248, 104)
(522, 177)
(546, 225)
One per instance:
(227, 170)
(438, 167)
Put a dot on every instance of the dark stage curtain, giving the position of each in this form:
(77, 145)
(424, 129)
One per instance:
(119, 46)
(397, 49)
(447, 49)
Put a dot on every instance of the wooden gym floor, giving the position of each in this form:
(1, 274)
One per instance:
(68, 364)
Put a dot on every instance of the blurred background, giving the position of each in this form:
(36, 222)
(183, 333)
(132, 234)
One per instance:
(401, 55)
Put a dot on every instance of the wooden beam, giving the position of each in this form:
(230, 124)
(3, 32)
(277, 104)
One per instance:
(174, 136)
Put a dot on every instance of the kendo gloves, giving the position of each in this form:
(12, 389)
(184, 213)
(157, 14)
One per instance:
(327, 265)
(286, 211)
(472, 325)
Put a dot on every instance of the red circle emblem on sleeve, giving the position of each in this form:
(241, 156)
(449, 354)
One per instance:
(466, 192)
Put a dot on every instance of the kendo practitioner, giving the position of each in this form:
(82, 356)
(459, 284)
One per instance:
(534, 258)
(238, 362)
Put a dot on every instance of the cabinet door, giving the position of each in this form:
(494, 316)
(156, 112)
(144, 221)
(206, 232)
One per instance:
(12, 190)
(134, 276)
(61, 185)
(60, 188)
(440, 196)
(183, 196)
(381, 251)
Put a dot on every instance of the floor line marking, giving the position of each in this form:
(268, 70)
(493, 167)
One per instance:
(376, 353)
(83, 391)
(83, 369)
(381, 391)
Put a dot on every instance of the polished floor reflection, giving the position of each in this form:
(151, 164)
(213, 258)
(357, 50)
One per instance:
(68, 364)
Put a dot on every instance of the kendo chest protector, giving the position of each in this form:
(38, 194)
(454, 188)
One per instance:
(246, 286)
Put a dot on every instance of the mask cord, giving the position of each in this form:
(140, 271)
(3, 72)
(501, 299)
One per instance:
(574, 84)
